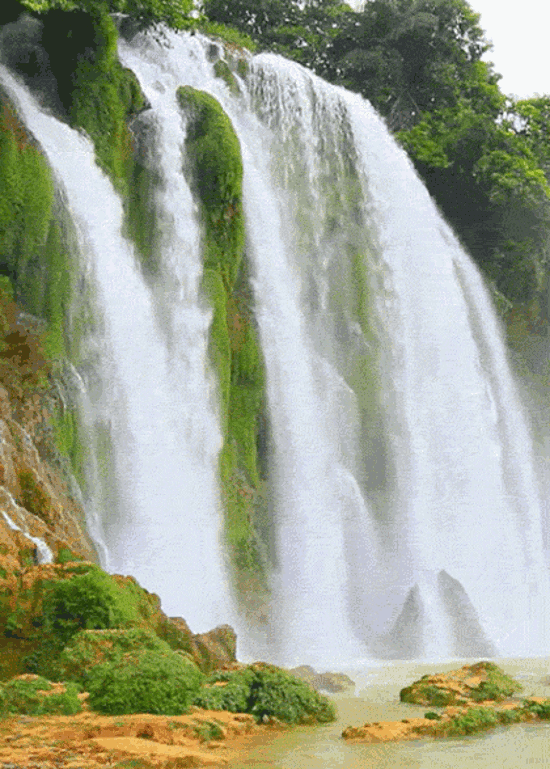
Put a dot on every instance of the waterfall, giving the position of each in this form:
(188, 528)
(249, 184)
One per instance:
(402, 488)
(166, 528)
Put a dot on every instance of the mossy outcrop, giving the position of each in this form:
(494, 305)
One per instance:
(481, 682)
(62, 619)
(215, 167)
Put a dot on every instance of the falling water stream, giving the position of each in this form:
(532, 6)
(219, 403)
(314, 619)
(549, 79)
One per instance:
(403, 496)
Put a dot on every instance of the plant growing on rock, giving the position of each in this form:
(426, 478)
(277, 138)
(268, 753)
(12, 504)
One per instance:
(32, 697)
(146, 682)
(91, 600)
(266, 692)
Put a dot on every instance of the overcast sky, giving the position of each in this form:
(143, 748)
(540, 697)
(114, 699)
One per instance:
(520, 33)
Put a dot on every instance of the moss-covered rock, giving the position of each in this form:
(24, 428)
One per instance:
(89, 648)
(215, 167)
(481, 682)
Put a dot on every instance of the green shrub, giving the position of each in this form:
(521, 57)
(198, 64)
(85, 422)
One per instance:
(149, 682)
(474, 720)
(266, 692)
(427, 695)
(432, 716)
(540, 709)
(208, 730)
(91, 600)
(65, 555)
(27, 698)
(88, 648)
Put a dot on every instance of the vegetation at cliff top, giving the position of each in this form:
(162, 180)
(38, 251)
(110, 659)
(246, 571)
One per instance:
(172, 12)
(484, 157)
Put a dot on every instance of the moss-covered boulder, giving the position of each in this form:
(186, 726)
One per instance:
(481, 682)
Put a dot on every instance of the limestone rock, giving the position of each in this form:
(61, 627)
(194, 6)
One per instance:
(481, 682)
(327, 682)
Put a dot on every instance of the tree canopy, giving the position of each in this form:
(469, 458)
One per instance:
(484, 158)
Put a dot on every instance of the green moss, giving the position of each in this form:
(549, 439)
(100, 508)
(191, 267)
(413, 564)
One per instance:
(33, 495)
(26, 197)
(29, 698)
(223, 71)
(497, 686)
(226, 34)
(89, 648)
(215, 166)
(65, 555)
(475, 720)
(219, 346)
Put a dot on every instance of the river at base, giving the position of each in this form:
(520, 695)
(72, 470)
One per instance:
(376, 698)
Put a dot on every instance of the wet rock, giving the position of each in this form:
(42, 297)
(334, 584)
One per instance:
(327, 682)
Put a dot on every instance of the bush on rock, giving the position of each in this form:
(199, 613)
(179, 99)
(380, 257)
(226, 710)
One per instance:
(87, 601)
(266, 692)
(33, 696)
(146, 682)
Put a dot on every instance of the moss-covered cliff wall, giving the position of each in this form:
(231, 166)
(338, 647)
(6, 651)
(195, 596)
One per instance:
(216, 169)
(70, 55)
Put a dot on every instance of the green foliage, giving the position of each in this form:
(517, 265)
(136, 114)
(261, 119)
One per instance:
(64, 555)
(27, 698)
(227, 34)
(26, 197)
(475, 720)
(427, 695)
(540, 709)
(492, 188)
(215, 166)
(432, 716)
(266, 692)
(91, 600)
(88, 648)
(214, 155)
(208, 730)
(498, 686)
(147, 682)
(171, 12)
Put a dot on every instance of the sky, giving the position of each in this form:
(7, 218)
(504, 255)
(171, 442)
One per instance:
(520, 32)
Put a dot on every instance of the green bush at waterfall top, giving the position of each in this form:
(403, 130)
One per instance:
(172, 12)
(215, 167)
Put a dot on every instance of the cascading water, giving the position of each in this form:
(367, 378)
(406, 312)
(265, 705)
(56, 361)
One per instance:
(166, 530)
(402, 487)
(339, 227)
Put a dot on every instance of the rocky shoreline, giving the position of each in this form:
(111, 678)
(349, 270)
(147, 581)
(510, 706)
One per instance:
(472, 699)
